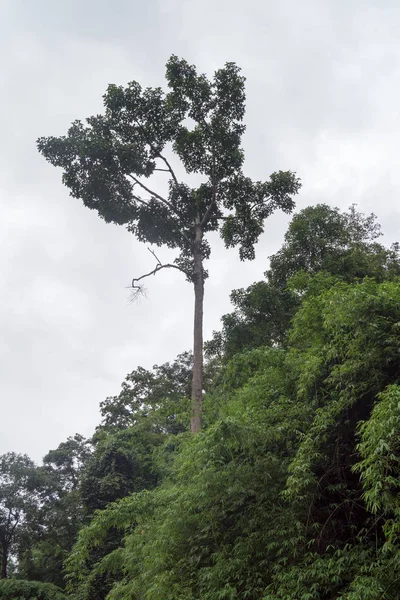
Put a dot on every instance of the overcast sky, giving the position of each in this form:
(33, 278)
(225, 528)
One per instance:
(323, 99)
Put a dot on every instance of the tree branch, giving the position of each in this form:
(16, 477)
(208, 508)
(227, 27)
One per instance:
(169, 168)
(208, 212)
(160, 198)
(149, 191)
(14, 527)
(140, 200)
(157, 153)
(138, 289)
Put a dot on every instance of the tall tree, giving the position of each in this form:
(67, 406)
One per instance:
(105, 161)
(18, 498)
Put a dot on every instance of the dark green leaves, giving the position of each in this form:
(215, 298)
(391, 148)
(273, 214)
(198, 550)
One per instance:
(320, 239)
(17, 589)
(19, 499)
(252, 203)
(105, 160)
(92, 169)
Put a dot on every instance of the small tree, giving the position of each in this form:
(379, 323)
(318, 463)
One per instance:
(106, 160)
(48, 536)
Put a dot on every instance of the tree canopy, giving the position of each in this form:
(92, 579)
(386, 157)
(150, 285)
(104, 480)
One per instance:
(319, 239)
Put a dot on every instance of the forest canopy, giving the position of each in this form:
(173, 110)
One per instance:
(291, 490)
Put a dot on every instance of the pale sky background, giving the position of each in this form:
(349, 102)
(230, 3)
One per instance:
(323, 99)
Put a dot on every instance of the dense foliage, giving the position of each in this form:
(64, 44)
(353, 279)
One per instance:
(18, 589)
(291, 491)
(287, 494)
(319, 238)
(19, 489)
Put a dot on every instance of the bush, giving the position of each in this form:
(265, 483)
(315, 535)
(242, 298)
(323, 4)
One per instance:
(19, 589)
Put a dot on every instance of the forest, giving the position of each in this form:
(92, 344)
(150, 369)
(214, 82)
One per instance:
(265, 464)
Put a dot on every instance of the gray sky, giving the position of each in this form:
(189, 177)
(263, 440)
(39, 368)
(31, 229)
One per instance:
(323, 87)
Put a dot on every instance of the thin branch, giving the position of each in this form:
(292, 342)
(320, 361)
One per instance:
(209, 210)
(164, 170)
(161, 266)
(207, 214)
(149, 191)
(373, 525)
(157, 153)
(155, 256)
(154, 194)
(14, 527)
(139, 288)
(169, 168)
(161, 199)
(329, 518)
(140, 200)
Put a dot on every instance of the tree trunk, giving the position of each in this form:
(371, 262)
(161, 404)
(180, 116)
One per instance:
(4, 559)
(197, 381)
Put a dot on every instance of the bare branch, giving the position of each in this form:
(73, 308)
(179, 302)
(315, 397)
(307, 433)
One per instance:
(138, 289)
(158, 267)
(155, 256)
(149, 191)
(169, 168)
(137, 293)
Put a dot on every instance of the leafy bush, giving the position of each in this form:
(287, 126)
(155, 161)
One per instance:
(19, 589)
